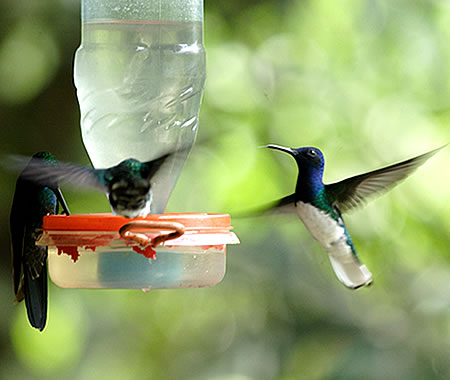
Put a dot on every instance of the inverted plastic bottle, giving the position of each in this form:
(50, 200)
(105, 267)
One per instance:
(139, 74)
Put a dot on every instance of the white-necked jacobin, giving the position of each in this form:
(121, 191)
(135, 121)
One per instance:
(319, 206)
(29, 262)
(127, 185)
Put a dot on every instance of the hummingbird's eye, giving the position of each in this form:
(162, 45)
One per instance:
(312, 153)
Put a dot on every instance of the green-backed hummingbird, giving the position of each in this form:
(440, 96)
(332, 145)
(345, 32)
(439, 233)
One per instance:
(31, 203)
(320, 206)
(127, 185)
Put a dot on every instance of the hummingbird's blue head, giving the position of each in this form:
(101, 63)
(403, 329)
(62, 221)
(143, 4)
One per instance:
(309, 158)
(311, 163)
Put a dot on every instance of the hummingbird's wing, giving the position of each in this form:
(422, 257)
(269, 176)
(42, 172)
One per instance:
(35, 286)
(354, 191)
(17, 228)
(40, 172)
(173, 158)
(154, 165)
(284, 205)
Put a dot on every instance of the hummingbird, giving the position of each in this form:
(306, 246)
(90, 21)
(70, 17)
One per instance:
(127, 185)
(320, 206)
(31, 203)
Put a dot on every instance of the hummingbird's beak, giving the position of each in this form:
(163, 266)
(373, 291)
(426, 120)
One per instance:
(279, 147)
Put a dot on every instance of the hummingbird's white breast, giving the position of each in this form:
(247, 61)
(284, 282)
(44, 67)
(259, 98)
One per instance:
(331, 235)
(320, 225)
(123, 209)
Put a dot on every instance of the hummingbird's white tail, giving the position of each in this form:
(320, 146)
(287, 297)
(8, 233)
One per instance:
(349, 270)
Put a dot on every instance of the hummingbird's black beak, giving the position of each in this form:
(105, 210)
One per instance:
(282, 148)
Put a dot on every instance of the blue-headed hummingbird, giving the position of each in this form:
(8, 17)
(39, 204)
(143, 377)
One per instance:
(320, 206)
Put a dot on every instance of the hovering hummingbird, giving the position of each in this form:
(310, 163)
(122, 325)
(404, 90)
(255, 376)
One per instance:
(29, 262)
(127, 185)
(320, 206)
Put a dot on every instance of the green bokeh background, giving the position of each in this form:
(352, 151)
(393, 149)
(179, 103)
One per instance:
(366, 81)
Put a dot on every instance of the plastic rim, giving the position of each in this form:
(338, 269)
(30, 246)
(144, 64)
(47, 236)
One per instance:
(68, 233)
(108, 222)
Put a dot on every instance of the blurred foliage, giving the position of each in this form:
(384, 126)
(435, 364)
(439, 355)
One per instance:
(368, 83)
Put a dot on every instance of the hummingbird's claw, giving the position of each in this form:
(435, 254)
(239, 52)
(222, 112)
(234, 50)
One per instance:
(61, 200)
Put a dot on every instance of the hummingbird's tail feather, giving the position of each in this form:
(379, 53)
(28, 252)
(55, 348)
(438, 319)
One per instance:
(35, 291)
(349, 270)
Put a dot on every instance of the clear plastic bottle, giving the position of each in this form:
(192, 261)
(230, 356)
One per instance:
(139, 74)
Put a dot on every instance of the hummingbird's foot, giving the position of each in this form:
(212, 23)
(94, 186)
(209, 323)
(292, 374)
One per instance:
(61, 200)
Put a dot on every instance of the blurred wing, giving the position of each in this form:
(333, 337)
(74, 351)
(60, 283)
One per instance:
(43, 173)
(285, 205)
(175, 158)
(353, 192)
(154, 165)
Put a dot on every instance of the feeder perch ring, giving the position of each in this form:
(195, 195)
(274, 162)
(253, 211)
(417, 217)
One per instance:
(144, 240)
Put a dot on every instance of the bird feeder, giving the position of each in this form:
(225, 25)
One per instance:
(139, 74)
